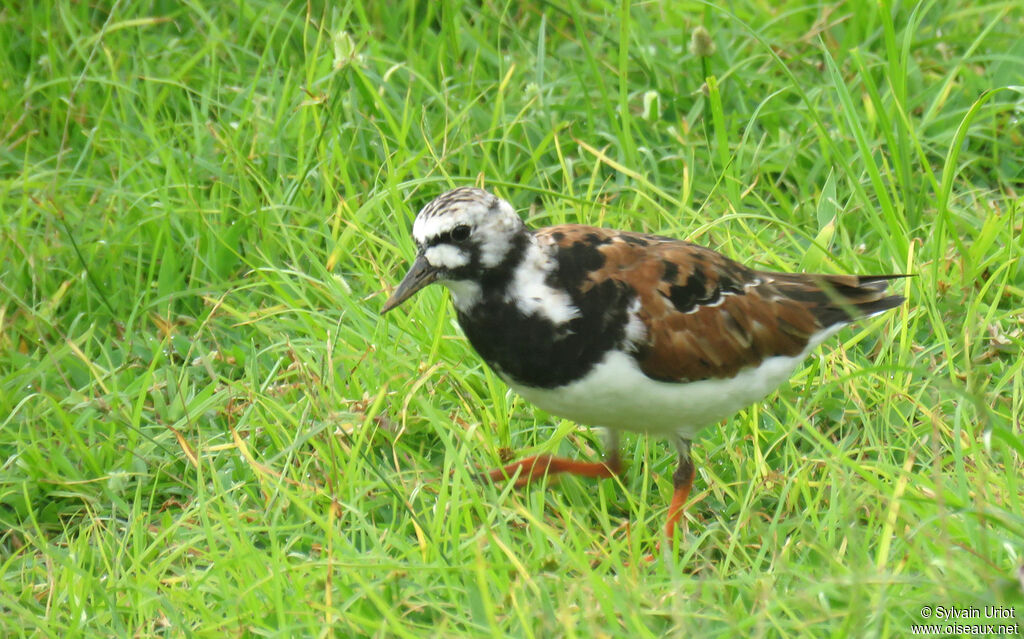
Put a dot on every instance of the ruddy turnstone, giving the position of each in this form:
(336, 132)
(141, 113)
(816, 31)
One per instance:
(623, 330)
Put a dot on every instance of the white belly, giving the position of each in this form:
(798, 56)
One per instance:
(617, 395)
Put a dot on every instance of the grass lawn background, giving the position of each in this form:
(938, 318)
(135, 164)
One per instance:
(206, 429)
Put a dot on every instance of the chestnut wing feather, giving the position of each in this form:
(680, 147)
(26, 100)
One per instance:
(707, 316)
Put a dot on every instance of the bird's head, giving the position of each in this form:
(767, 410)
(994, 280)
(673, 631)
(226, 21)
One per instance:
(461, 236)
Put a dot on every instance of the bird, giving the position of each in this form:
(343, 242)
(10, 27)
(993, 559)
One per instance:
(623, 330)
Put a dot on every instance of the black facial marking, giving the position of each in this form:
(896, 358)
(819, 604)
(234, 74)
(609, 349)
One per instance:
(498, 277)
(636, 240)
(558, 236)
(469, 270)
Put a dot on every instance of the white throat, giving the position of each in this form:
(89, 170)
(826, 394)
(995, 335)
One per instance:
(465, 293)
(530, 291)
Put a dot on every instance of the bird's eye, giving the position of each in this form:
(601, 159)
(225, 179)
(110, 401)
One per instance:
(460, 233)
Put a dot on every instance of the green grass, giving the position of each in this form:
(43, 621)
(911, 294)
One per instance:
(206, 429)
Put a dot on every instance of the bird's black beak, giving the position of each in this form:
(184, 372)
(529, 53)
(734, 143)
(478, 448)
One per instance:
(420, 274)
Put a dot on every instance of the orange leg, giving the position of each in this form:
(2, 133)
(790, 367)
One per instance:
(682, 482)
(533, 468)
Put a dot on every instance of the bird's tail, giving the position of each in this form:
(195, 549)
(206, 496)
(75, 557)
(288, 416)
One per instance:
(840, 299)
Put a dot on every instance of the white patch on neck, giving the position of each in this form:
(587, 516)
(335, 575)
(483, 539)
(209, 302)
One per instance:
(496, 233)
(465, 293)
(446, 255)
(531, 293)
